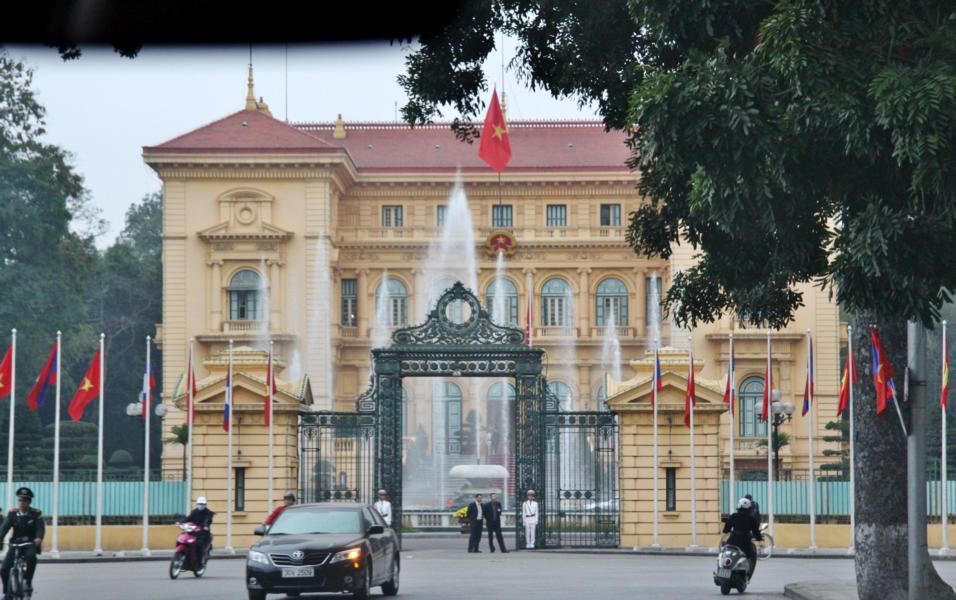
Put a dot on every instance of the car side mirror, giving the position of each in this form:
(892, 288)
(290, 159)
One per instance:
(376, 530)
(261, 530)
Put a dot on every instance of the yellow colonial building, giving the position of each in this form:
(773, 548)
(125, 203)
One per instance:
(323, 237)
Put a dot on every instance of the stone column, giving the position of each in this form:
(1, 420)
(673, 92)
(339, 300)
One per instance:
(584, 304)
(215, 295)
(362, 296)
(419, 297)
(529, 293)
(640, 305)
(275, 302)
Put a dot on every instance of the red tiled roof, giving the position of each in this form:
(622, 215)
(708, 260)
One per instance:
(535, 145)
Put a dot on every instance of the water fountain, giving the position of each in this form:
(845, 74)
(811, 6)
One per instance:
(611, 351)
(654, 312)
(264, 331)
(505, 405)
(382, 327)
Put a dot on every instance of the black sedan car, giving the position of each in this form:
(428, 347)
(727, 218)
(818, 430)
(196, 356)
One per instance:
(324, 548)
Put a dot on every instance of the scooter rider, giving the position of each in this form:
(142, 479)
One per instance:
(202, 516)
(27, 525)
(743, 530)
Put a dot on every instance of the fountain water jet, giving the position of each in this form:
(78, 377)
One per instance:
(611, 351)
(654, 312)
(382, 328)
(264, 331)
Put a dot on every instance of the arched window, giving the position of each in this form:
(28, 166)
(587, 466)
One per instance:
(508, 302)
(611, 302)
(395, 296)
(244, 302)
(751, 403)
(563, 392)
(556, 303)
(447, 395)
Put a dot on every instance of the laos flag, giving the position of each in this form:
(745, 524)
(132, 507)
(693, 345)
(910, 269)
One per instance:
(44, 382)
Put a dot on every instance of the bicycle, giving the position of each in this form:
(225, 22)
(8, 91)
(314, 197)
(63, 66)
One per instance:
(765, 547)
(17, 583)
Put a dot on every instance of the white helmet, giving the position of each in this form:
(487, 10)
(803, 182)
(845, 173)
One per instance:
(743, 503)
(201, 500)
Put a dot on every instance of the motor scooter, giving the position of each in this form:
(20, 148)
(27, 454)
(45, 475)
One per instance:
(188, 555)
(733, 566)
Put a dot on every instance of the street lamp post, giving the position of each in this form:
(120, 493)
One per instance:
(782, 413)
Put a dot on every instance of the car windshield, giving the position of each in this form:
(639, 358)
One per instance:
(317, 520)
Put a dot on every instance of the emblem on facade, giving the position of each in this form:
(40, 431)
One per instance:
(501, 240)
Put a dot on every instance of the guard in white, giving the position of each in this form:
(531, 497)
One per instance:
(384, 507)
(529, 516)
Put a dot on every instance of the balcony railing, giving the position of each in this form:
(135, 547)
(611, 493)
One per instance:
(348, 232)
(556, 331)
(623, 332)
(243, 325)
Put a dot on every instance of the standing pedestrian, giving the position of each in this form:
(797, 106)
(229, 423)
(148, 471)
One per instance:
(384, 507)
(529, 516)
(475, 517)
(493, 519)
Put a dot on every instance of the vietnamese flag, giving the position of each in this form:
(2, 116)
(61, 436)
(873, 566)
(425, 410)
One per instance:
(270, 392)
(691, 398)
(849, 377)
(495, 148)
(88, 390)
(45, 379)
(882, 373)
(6, 373)
(190, 382)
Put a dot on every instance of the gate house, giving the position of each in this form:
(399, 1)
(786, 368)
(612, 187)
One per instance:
(569, 458)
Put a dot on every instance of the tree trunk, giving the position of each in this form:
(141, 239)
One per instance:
(880, 472)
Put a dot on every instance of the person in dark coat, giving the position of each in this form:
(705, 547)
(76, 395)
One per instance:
(754, 509)
(475, 518)
(743, 530)
(493, 519)
(27, 525)
(202, 516)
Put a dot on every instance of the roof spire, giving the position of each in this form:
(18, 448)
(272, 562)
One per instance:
(250, 91)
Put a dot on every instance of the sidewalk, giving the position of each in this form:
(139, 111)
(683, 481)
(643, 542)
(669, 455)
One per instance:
(821, 591)
(705, 551)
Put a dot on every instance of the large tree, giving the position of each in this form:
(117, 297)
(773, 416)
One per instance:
(806, 141)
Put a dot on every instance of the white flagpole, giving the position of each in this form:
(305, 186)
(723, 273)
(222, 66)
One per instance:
(270, 378)
(944, 509)
(55, 547)
(733, 397)
(146, 410)
(812, 481)
(656, 543)
(13, 395)
(229, 475)
(769, 384)
(98, 545)
(189, 429)
(849, 375)
(693, 464)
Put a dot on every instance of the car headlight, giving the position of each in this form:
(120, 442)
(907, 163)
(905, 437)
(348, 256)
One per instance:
(351, 554)
(258, 557)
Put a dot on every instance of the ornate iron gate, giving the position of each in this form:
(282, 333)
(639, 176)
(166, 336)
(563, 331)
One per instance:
(582, 503)
(337, 457)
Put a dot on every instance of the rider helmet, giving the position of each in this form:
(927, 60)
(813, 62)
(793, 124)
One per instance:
(201, 501)
(743, 503)
(25, 492)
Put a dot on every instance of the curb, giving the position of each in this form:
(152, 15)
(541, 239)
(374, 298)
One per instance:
(805, 591)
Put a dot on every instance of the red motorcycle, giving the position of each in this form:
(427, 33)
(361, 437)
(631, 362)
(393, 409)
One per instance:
(189, 556)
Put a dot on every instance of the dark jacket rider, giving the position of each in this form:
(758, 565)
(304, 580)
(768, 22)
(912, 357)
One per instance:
(743, 529)
(27, 525)
(201, 516)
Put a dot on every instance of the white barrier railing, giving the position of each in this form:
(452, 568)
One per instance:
(435, 519)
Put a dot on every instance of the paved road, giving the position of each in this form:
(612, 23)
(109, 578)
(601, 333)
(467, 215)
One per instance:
(440, 569)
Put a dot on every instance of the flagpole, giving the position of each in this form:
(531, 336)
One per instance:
(656, 543)
(271, 378)
(189, 431)
(769, 384)
(851, 371)
(732, 383)
(55, 547)
(812, 481)
(693, 464)
(98, 545)
(146, 410)
(13, 394)
(944, 510)
(229, 474)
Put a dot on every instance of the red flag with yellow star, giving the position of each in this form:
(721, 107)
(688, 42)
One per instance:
(88, 390)
(6, 373)
(495, 148)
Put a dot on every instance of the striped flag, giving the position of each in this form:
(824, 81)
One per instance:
(691, 398)
(190, 385)
(270, 391)
(808, 389)
(658, 386)
(730, 391)
(768, 379)
(849, 373)
(227, 407)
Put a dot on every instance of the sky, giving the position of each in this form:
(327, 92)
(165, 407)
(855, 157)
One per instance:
(104, 108)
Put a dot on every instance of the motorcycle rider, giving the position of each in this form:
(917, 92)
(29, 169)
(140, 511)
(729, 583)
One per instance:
(202, 516)
(743, 530)
(27, 525)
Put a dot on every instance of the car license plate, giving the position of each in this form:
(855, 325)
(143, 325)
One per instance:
(298, 572)
(723, 573)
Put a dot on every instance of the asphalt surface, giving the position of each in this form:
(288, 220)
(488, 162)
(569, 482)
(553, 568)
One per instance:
(441, 569)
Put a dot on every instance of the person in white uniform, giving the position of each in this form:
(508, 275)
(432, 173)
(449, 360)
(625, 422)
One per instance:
(384, 507)
(529, 516)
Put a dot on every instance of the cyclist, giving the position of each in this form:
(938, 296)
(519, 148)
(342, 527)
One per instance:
(27, 525)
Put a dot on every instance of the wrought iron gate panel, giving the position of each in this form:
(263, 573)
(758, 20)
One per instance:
(337, 453)
(581, 496)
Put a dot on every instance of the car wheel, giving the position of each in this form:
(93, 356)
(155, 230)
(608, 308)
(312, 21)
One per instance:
(257, 595)
(390, 587)
(364, 591)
